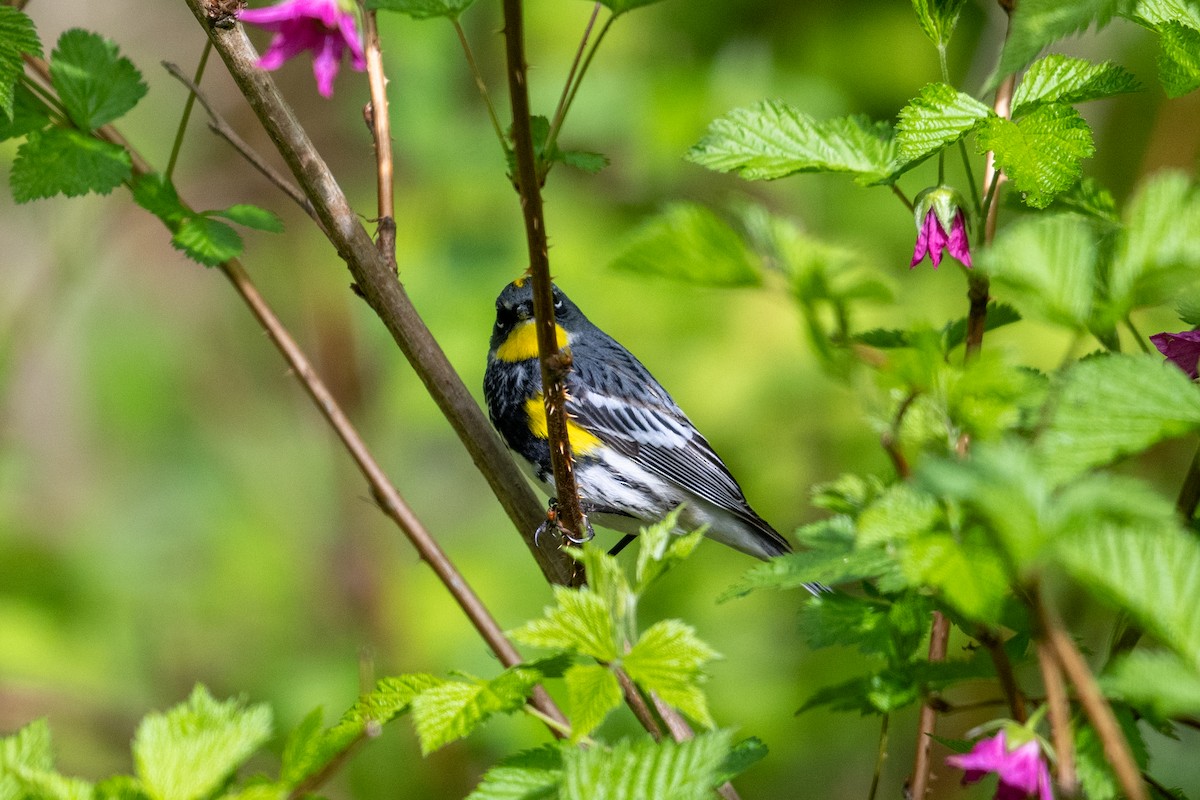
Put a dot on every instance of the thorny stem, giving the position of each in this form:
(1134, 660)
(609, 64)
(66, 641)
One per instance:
(555, 364)
(880, 756)
(480, 84)
(939, 638)
(381, 131)
(1060, 718)
(1097, 709)
(188, 105)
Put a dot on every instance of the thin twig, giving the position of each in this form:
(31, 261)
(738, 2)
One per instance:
(480, 84)
(890, 440)
(896, 190)
(381, 133)
(880, 756)
(381, 290)
(554, 363)
(1004, 672)
(939, 637)
(1097, 709)
(552, 135)
(190, 103)
(560, 112)
(220, 127)
(1060, 719)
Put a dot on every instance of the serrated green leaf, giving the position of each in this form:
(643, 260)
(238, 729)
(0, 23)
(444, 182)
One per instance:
(1088, 197)
(206, 240)
(1042, 153)
(187, 752)
(1063, 79)
(1157, 683)
(1153, 13)
(1112, 406)
(28, 113)
(18, 37)
(451, 710)
(582, 160)
(295, 762)
(119, 787)
(689, 243)
(938, 116)
(772, 139)
(259, 789)
(251, 216)
(528, 775)
(899, 514)
(970, 575)
(1048, 264)
(592, 692)
(813, 567)
(390, 698)
(937, 18)
(157, 195)
(744, 755)
(48, 785)
(880, 693)
(61, 161)
(1093, 768)
(29, 747)
(841, 619)
(667, 660)
(643, 769)
(1037, 23)
(95, 84)
(1153, 573)
(659, 549)
(422, 9)
(1178, 58)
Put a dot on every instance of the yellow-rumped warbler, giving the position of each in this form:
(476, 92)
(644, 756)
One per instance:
(637, 455)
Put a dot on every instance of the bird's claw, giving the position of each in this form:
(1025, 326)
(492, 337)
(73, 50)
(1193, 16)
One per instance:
(552, 522)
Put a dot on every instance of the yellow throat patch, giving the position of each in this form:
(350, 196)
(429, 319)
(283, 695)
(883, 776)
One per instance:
(582, 441)
(521, 344)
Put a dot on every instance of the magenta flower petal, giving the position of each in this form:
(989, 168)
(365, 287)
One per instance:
(923, 236)
(1182, 349)
(958, 246)
(1022, 772)
(323, 27)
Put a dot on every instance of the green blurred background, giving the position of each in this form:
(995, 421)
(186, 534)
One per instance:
(173, 510)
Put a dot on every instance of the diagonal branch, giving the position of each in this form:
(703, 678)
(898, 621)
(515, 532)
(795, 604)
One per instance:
(381, 289)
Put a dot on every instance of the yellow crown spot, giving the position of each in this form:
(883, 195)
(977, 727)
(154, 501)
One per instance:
(521, 344)
(582, 441)
(519, 282)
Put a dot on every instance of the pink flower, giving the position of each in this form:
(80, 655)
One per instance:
(940, 226)
(1022, 771)
(1182, 349)
(323, 26)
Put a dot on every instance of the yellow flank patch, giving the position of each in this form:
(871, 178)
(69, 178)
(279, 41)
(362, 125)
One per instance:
(521, 344)
(582, 441)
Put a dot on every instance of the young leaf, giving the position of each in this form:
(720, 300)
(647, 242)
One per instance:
(157, 195)
(94, 83)
(1088, 197)
(390, 698)
(528, 775)
(422, 9)
(938, 18)
(659, 549)
(1037, 23)
(646, 769)
(619, 7)
(772, 139)
(592, 692)
(251, 216)
(18, 37)
(1153, 13)
(938, 116)
(28, 113)
(744, 755)
(1155, 682)
(667, 659)
(58, 160)
(189, 751)
(812, 569)
(689, 243)
(1042, 152)
(841, 619)
(206, 240)
(1178, 58)
(453, 709)
(1063, 79)
(969, 574)
(1099, 416)
(29, 747)
(899, 514)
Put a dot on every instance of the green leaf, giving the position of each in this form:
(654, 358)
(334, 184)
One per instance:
(95, 84)
(880, 693)
(689, 243)
(422, 9)
(528, 775)
(1157, 683)
(619, 7)
(451, 710)
(744, 755)
(28, 113)
(968, 573)
(62, 161)
(772, 139)
(18, 37)
(659, 549)
(1094, 770)
(938, 18)
(206, 240)
(935, 118)
(1088, 197)
(1151, 572)
(1041, 153)
(580, 622)
(1063, 79)
(251, 216)
(1037, 23)
(1178, 58)
(1048, 264)
(810, 567)
(998, 315)
(899, 514)
(188, 752)
(390, 698)
(157, 195)
(667, 660)
(1158, 254)
(591, 163)
(1153, 13)
(592, 692)
(1108, 407)
(29, 747)
(845, 620)
(645, 769)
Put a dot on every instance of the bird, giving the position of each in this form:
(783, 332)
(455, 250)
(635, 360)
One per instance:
(637, 456)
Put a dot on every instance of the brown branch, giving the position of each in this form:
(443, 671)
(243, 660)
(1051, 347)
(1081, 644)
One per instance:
(638, 705)
(382, 290)
(554, 364)
(381, 132)
(1097, 709)
(1004, 673)
(918, 784)
(1060, 719)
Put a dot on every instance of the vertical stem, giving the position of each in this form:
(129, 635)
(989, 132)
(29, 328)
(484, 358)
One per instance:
(1004, 673)
(187, 111)
(554, 364)
(880, 756)
(918, 785)
(1060, 718)
(381, 132)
